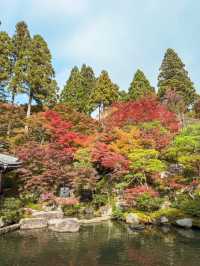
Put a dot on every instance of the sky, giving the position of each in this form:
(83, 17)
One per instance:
(119, 36)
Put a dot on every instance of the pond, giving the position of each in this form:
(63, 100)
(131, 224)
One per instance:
(107, 244)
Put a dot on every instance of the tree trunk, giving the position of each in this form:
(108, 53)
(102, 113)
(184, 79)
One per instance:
(9, 128)
(181, 117)
(28, 113)
(10, 120)
(99, 114)
(13, 98)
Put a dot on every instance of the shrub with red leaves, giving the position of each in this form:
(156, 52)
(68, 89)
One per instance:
(66, 201)
(61, 130)
(108, 159)
(144, 110)
(131, 194)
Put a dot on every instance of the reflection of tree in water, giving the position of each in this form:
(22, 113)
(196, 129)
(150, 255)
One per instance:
(98, 245)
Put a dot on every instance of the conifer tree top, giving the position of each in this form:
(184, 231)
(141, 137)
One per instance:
(140, 86)
(174, 76)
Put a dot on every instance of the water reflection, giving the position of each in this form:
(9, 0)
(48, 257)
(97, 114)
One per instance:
(107, 244)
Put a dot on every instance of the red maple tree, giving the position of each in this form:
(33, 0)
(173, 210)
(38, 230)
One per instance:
(144, 110)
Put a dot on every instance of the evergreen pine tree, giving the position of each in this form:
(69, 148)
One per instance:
(88, 84)
(5, 63)
(21, 42)
(173, 76)
(41, 85)
(140, 86)
(104, 93)
(69, 93)
(77, 91)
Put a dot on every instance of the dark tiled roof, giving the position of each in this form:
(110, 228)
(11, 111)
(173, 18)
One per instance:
(7, 161)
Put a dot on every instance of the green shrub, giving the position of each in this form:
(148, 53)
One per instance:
(11, 204)
(179, 199)
(27, 198)
(117, 214)
(145, 202)
(71, 210)
(35, 206)
(10, 210)
(191, 207)
(99, 200)
(11, 216)
(170, 213)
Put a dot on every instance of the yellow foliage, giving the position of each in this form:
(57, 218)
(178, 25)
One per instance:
(126, 140)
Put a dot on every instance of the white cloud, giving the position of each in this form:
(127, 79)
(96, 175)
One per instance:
(102, 42)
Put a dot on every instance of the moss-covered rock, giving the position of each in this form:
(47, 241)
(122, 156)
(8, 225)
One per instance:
(171, 213)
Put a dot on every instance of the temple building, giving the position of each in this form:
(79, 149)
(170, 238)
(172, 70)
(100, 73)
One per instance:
(7, 163)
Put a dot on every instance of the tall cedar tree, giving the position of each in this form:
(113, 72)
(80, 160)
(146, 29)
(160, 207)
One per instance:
(5, 63)
(104, 93)
(40, 74)
(88, 84)
(140, 86)
(173, 76)
(21, 42)
(77, 91)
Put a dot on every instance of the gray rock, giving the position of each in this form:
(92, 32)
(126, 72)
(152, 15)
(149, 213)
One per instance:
(186, 222)
(122, 205)
(48, 215)
(52, 222)
(175, 169)
(66, 225)
(9, 228)
(95, 220)
(89, 211)
(106, 211)
(33, 223)
(132, 218)
(164, 220)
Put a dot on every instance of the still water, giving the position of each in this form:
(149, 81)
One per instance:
(107, 244)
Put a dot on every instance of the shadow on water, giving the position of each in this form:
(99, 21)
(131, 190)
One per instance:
(106, 244)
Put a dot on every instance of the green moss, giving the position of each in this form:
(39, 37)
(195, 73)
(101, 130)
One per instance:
(118, 214)
(144, 217)
(73, 210)
(170, 213)
(35, 206)
(191, 207)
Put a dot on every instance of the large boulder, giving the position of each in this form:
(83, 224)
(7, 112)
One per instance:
(66, 225)
(95, 220)
(52, 222)
(48, 214)
(186, 222)
(132, 219)
(164, 220)
(33, 223)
